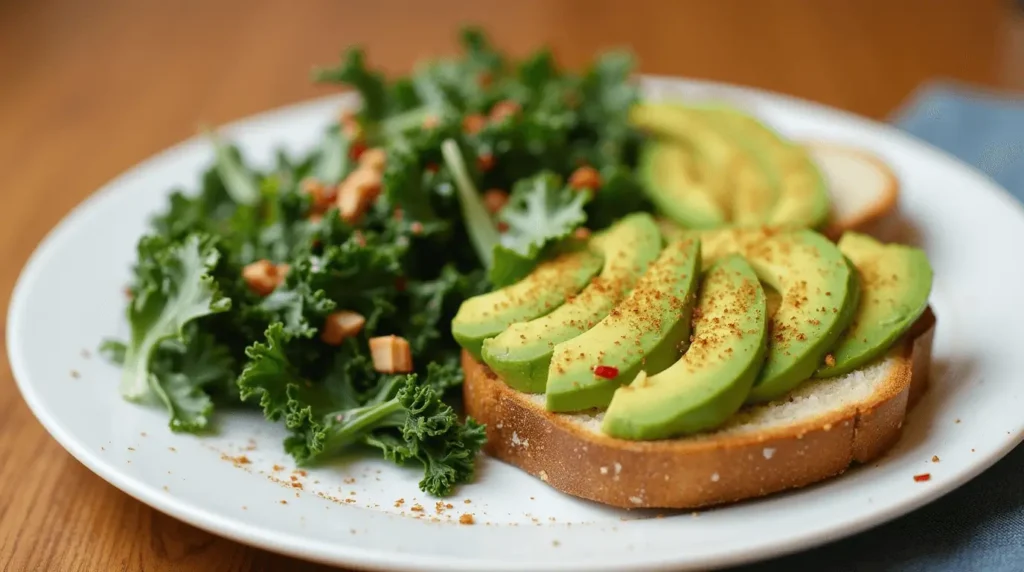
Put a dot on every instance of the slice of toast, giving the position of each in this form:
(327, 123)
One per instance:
(862, 187)
(816, 432)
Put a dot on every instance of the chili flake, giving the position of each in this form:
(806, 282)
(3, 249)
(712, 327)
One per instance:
(923, 477)
(356, 149)
(606, 371)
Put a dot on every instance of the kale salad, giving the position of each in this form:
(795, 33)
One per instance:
(321, 289)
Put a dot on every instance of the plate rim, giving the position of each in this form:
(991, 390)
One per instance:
(350, 554)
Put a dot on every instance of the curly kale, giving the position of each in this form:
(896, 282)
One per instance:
(451, 130)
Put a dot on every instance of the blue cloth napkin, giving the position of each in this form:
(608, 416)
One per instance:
(980, 526)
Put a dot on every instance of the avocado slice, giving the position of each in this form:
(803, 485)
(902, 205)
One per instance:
(647, 330)
(726, 180)
(712, 379)
(803, 200)
(543, 290)
(896, 281)
(673, 182)
(521, 354)
(819, 291)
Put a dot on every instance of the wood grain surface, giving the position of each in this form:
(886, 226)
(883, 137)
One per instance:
(87, 89)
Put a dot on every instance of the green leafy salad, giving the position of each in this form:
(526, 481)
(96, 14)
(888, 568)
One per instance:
(321, 289)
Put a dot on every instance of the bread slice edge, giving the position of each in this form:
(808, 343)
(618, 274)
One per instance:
(878, 215)
(710, 469)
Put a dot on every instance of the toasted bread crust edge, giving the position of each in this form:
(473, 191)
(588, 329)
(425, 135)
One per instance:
(696, 472)
(882, 216)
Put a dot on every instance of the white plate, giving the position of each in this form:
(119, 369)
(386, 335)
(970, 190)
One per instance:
(70, 296)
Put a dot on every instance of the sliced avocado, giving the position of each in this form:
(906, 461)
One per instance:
(712, 379)
(713, 152)
(543, 290)
(521, 354)
(738, 178)
(803, 200)
(819, 294)
(895, 283)
(647, 330)
(670, 174)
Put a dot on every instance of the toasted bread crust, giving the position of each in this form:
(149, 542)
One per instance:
(699, 471)
(879, 218)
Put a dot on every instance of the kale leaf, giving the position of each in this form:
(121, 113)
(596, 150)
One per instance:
(540, 212)
(404, 416)
(176, 287)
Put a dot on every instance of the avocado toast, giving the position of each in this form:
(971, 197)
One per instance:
(754, 398)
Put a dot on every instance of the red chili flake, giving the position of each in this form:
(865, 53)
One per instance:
(923, 477)
(485, 162)
(356, 149)
(432, 167)
(606, 371)
(502, 226)
(400, 284)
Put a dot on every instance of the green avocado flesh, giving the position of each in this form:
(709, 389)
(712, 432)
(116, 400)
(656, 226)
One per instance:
(712, 379)
(521, 354)
(543, 290)
(698, 173)
(671, 176)
(648, 330)
(803, 200)
(895, 283)
(819, 291)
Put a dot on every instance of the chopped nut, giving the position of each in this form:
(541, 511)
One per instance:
(495, 200)
(350, 126)
(263, 277)
(341, 325)
(357, 192)
(321, 195)
(473, 123)
(503, 109)
(391, 354)
(585, 177)
(830, 360)
(374, 158)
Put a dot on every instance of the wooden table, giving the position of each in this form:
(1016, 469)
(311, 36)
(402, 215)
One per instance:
(89, 88)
